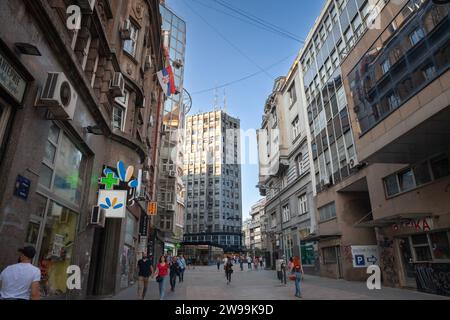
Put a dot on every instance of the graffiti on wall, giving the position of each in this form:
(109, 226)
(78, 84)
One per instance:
(433, 278)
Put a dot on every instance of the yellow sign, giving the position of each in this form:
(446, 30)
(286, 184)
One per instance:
(152, 208)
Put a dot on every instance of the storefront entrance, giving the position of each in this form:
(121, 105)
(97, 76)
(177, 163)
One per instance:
(407, 262)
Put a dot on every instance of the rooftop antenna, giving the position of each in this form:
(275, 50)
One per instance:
(224, 101)
(216, 98)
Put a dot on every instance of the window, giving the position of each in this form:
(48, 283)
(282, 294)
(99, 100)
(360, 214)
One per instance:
(329, 255)
(295, 128)
(416, 36)
(119, 112)
(393, 101)
(417, 175)
(273, 220)
(286, 215)
(421, 247)
(299, 164)
(94, 71)
(292, 94)
(440, 245)
(130, 45)
(62, 168)
(302, 204)
(327, 212)
(440, 166)
(385, 66)
(429, 72)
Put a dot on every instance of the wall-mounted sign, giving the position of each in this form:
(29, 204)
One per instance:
(425, 224)
(364, 256)
(121, 179)
(114, 202)
(152, 208)
(22, 187)
(11, 80)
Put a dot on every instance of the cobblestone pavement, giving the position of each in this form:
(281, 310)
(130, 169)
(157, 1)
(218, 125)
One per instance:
(207, 283)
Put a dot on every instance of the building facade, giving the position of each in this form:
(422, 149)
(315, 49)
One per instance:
(257, 216)
(399, 106)
(171, 192)
(57, 141)
(213, 180)
(373, 84)
(285, 174)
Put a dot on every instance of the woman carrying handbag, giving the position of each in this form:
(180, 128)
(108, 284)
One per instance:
(297, 274)
(161, 273)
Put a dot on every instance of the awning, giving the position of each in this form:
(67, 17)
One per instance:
(319, 237)
(368, 222)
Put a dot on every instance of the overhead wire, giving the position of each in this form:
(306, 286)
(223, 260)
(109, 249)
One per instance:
(227, 84)
(228, 41)
(258, 25)
(259, 21)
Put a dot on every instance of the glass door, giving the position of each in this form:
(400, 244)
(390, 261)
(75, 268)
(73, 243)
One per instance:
(407, 262)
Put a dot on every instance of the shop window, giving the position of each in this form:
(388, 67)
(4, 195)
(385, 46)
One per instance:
(421, 247)
(56, 248)
(440, 245)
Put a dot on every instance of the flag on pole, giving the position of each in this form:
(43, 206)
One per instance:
(167, 81)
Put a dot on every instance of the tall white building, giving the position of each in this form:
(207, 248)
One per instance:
(213, 181)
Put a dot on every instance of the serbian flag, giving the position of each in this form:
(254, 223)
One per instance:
(167, 81)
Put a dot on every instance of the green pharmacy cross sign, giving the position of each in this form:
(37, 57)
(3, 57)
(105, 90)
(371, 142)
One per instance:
(109, 181)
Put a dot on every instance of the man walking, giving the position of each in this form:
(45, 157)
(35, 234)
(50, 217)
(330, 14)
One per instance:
(145, 270)
(20, 281)
(218, 263)
(249, 263)
(182, 264)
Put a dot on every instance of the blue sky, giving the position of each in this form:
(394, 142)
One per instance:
(212, 61)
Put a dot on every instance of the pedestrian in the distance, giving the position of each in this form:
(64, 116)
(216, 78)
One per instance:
(145, 270)
(241, 262)
(161, 273)
(261, 264)
(228, 270)
(182, 263)
(249, 262)
(218, 263)
(174, 273)
(297, 270)
(20, 281)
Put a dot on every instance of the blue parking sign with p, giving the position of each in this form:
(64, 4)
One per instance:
(359, 259)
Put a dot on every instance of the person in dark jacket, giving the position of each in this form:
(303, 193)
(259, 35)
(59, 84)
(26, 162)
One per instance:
(174, 273)
(228, 269)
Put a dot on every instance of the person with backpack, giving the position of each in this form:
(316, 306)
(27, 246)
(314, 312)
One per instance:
(228, 270)
(297, 270)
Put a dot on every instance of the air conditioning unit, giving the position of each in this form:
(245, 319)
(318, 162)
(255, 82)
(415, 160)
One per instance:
(125, 31)
(172, 174)
(58, 96)
(353, 162)
(148, 62)
(117, 85)
(170, 207)
(98, 217)
(87, 6)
